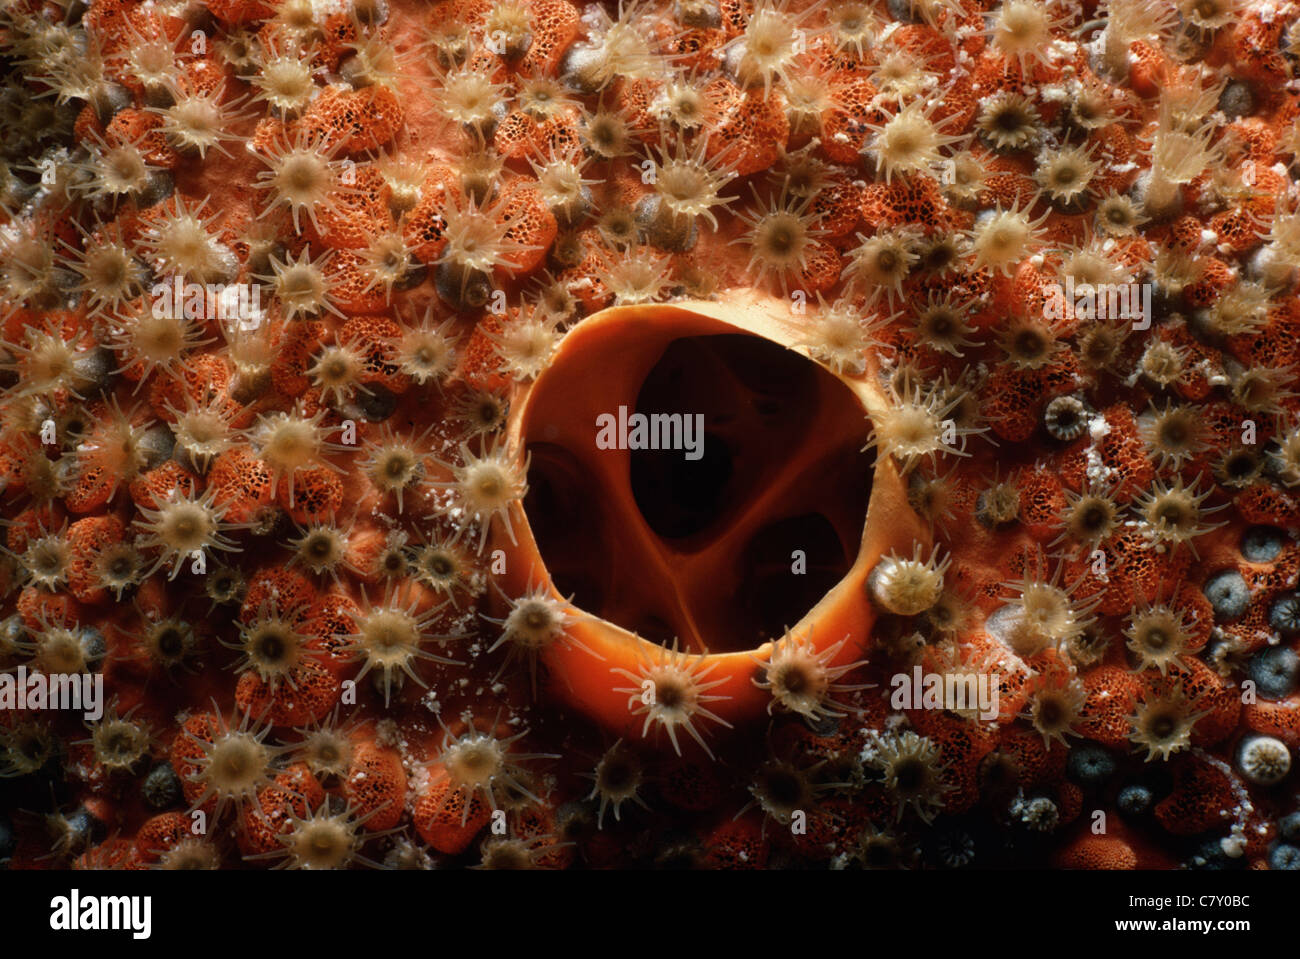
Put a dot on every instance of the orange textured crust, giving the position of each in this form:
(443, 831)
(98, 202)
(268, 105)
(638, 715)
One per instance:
(739, 435)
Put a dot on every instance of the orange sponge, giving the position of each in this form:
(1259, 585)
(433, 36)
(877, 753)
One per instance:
(376, 784)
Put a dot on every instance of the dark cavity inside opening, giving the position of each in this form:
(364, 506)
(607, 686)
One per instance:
(704, 550)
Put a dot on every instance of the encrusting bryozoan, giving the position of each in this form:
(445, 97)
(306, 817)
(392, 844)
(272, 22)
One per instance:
(672, 693)
(1001, 239)
(198, 120)
(920, 424)
(909, 141)
(617, 47)
(233, 764)
(323, 840)
(526, 343)
(1056, 705)
(486, 487)
(911, 768)
(1042, 613)
(839, 335)
(536, 621)
(425, 351)
(183, 529)
(1172, 512)
(284, 79)
(389, 639)
(441, 564)
(1130, 20)
(1158, 635)
(481, 763)
(290, 442)
(617, 779)
(1178, 156)
(781, 235)
(907, 587)
(321, 549)
(111, 275)
(395, 464)
(182, 241)
(272, 644)
(306, 177)
(1163, 722)
(120, 742)
(802, 680)
(1022, 30)
(881, 263)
